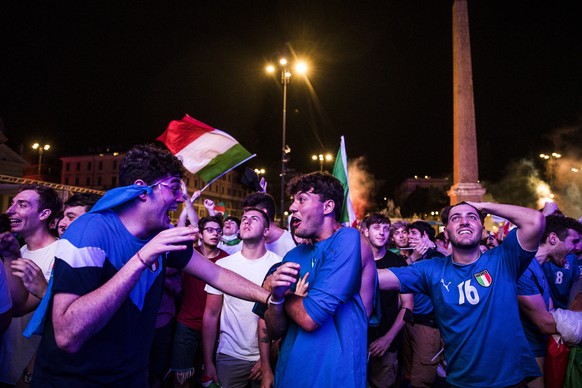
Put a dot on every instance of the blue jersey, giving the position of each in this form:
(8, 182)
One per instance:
(477, 314)
(94, 248)
(333, 355)
(533, 282)
(561, 279)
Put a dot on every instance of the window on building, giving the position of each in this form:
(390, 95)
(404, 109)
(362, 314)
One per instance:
(100, 165)
(99, 181)
(89, 165)
(77, 181)
(114, 165)
(66, 180)
(67, 166)
(88, 181)
(113, 181)
(78, 166)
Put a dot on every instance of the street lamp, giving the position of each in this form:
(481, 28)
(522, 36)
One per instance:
(40, 149)
(300, 68)
(322, 158)
(260, 171)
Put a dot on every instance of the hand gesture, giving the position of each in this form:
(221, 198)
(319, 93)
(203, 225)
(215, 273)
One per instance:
(379, 347)
(256, 372)
(210, 371)
(302, 285)
(209, 205)
(31, 276)
(282, 278)
(167, 241)
(263, 184)
(9, 247)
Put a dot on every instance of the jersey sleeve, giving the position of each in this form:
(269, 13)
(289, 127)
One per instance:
(526, 284)
(79, 258)
(338, 277)
(514, 256)
(179, 259)
(412, 278)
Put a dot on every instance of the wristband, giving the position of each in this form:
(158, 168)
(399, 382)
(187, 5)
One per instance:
(140, 259)
(270, 300)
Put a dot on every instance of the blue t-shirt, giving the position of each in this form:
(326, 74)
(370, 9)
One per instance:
(561, 279)
(91, 252)
(533, 282)
(333, 355)
(477, 314)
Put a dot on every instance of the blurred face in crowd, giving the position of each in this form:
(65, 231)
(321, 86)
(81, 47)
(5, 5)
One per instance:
(378, 234)
(400, 238)
(571, 244)
(211, 234)
(24, 213)
(70, 214)
(230, 228)
(414, 237)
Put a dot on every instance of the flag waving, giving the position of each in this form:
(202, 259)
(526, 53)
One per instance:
(340, 171)
(205, 151)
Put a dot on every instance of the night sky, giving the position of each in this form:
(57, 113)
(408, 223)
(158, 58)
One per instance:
(84, 75)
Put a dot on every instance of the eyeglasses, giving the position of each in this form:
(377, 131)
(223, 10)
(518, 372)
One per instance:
(174, 187)
(213, 230)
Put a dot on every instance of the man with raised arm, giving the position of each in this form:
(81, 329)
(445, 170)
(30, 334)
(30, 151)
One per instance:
(475, 295)
(109, 276)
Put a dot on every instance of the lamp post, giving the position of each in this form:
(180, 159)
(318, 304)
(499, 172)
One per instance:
(322, 158)
(40, 149)
(300, 68)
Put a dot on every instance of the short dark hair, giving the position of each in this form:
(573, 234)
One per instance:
(47, 199)
(423, 227)
(82, 199)
(262, 201)
(233, 218)
(325, 185)
(447, 209)
(204, 220)
(559, 225)
(376, 218)
(148, 162)
(265, 216)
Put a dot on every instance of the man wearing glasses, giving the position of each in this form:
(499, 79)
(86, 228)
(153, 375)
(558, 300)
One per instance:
(109, 277)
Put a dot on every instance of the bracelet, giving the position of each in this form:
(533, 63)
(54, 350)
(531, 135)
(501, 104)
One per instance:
(270, 300)
(140, 259)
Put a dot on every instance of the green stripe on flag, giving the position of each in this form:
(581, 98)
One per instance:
(223, 162)
(339, 171)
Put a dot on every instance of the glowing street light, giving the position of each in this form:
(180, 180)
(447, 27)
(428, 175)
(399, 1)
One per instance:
(40, 149)
(260, 171)
(322, 158)
(300, 68)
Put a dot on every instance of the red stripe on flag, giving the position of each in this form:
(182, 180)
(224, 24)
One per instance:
(180, 133)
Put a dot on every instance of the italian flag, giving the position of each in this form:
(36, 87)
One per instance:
(340, 171)
(204, 151)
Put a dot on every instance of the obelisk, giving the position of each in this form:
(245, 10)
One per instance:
(466, 186)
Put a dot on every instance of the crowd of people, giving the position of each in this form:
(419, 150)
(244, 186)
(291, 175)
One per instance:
(108, 292)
